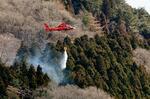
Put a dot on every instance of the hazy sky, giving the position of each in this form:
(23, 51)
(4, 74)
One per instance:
(140, 3)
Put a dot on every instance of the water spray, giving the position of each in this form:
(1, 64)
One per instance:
(64, 59)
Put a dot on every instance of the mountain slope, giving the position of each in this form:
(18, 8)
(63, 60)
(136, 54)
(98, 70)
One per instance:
(102, 50)
(25, 19)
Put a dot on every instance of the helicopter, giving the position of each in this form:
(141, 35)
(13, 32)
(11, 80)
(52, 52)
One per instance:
(61, 27)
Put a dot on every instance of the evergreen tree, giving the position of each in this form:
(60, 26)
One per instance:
(106, 8)
(46, 79)
(32, 77)
(39, 74)
(2, 89)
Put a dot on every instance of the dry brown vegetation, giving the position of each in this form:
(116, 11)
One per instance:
(142, 57)
(25, 18)
(73, 92)
(8, 47)
(13, 92)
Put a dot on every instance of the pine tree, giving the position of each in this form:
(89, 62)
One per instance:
(106, 8)
(100, 66)
(39, 74)
(2, 88)
(46, 79)
(32, 77)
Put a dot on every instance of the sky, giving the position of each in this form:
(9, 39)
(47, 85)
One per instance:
(140, 4)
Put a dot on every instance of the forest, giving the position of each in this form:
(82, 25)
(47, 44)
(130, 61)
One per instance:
(102, 61)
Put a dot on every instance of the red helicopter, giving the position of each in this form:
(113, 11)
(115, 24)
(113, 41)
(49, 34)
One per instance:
(62, 27)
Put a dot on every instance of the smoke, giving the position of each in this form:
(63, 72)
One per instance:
(52, 62)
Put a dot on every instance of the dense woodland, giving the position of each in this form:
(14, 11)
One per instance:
(22, 76)
(106, 62)
(102, 61)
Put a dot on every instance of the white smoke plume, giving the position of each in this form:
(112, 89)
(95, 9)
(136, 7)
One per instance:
(53, 63)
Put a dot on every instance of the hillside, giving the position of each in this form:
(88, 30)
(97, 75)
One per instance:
(106, 55)
(25, 21)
